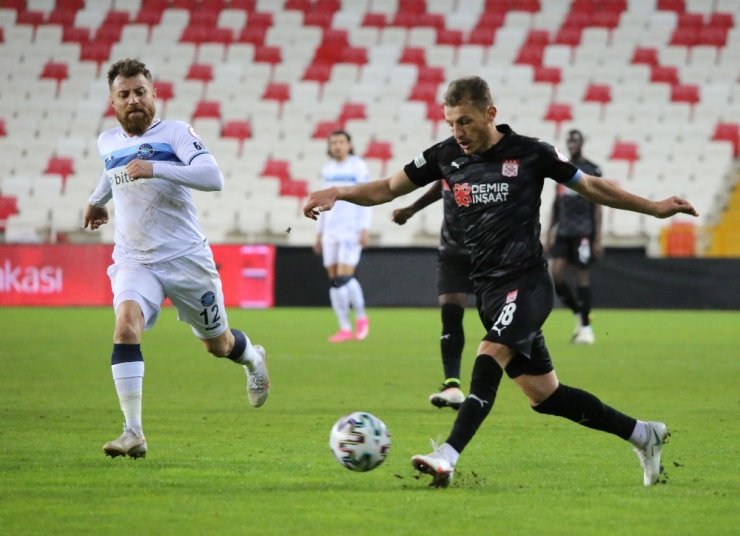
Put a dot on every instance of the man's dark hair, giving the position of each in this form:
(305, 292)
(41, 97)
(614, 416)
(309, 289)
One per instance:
(127, 68)
(344, 133)
(575, 133)
(471, 89)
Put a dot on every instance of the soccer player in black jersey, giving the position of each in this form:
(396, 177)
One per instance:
(454, 288)
(496, 176)
(574, 240)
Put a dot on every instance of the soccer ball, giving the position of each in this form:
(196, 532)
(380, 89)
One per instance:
(360, 441)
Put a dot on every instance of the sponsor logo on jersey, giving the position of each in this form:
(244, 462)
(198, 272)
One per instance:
(209, 298)
(480, 194)
(420, 161)
(145, 151)
(511, 296)
(510, 168)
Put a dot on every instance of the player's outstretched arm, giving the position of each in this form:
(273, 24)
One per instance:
(607, 193)
(365, 194)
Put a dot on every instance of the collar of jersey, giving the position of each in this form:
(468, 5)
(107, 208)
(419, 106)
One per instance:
(156, 122)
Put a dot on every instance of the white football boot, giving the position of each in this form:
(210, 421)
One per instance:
(585, 335)
(435, 464)
(258, 380)
(650, 454)
(448, 396)
(129, 443)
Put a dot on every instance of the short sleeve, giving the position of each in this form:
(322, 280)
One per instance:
(187, 144)
(552, 164)
(424, 169)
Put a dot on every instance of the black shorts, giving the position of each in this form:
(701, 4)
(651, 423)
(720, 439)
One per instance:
(574, 249)
(453, 275)
(513, 314)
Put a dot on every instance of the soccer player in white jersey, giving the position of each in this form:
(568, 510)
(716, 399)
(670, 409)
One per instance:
(342, 233)
(160, 251)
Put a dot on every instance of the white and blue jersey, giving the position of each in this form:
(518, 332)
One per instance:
(345, 220)
(155, 219)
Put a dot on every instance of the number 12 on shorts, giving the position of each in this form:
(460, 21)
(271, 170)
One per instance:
(213, 320)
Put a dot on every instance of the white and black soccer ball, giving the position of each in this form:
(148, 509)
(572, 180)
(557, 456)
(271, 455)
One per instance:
(360, 441)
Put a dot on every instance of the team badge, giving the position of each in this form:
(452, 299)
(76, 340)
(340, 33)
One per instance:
(145, 151)
(462, 194)
(511, 296)
(192, 131)
(209, 298)
(510, 168)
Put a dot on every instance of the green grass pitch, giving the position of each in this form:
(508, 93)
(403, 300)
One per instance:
(217, 466)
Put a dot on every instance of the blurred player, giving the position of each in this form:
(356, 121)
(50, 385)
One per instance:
(497, 176)
(160, 251)
(341, 236)
(454, 288)
(574, 240)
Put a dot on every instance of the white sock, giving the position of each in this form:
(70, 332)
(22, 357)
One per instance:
(450, 454)
(356, 298)
(640, 434)
(250, 356)
(128, 379)
(339, 297)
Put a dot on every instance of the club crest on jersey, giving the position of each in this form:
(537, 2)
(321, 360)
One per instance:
(511, 296)
(145, 151)
(462, 194)
(209, 298)
(510, 168)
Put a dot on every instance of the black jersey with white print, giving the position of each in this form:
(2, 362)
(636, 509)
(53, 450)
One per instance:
(576, 214)
(452, 239)
(498, 197)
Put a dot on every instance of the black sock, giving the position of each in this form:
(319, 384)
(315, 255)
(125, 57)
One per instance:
(240, 344)
(483, 386)
(452, 341)
(584, 298)
(566, 294)
(125, 353)
(584, 408)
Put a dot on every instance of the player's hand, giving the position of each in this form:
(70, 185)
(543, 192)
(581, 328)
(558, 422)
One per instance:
(673, 205)
(318, 202)
(140, 169)
(94, 217)
(402, 215)
(317, 247)
(364, 238)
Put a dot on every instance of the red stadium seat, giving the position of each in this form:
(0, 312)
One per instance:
(379, 150)
(317, 72)
(712, 36)
(62, 166)
(413, 56)
(538, 37)
(685, 37)
(240, 130)
(685, 93)
(294, 188)
(323, 129)
(201, 72)
(547, 75)
(8, 207)
(720, 20)
(601, 93)
(424, 92)
(483, 36)
(254, 35)
(62, 16)
(99, 52)
(671, 5)
(277, 91)
(453, 38)
(299, 5)
(530, 55)
(625, 150)
(374, 20)
(568, 35)
(728, 132)
(660, 74)
(433, 75)
(558, 113)
(207, 110)
(646, 56)
(56, 71)
(75, 35)
(268, 54)
(322, 19)
(165, 90)
(352, 111)
(3, 130)
(279, 169)
(354, 55)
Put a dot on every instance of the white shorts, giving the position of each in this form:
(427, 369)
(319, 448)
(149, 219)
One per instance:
(191, 282)
(338, 250)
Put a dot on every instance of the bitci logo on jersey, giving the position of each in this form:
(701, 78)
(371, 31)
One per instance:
(510, 168)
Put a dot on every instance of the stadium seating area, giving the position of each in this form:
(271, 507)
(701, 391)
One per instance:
(653, 84)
